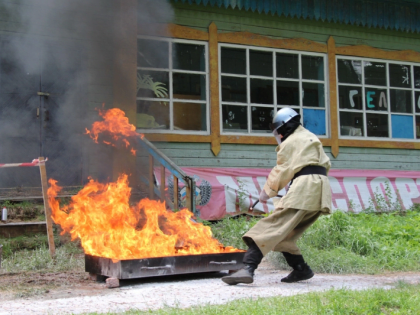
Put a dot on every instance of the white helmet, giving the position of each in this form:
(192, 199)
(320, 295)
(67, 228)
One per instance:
(280, 119)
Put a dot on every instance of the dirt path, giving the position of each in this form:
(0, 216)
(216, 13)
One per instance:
(185, 291)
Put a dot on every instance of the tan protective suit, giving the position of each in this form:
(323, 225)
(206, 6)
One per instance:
(308, 197)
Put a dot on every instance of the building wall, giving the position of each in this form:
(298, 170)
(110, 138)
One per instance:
(263, 156)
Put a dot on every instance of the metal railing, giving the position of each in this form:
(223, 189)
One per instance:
(178, 175)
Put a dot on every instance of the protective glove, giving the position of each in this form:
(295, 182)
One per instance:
(263, 196)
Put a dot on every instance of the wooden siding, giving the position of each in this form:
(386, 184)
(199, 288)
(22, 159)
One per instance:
(234, 20)
(264, 156)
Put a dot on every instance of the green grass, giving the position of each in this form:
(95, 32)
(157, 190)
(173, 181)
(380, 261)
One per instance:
(404, 299)
(346, 243)
(31, 253)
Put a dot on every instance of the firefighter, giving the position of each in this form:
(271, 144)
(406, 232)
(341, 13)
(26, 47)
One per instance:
(301, 160)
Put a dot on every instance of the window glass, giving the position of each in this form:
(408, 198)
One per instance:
(287, 92)
(350, 97)
(248, 78)
(172, 85)
(152, 53)
(400, 75)
(152, 115)
(314, 121)
(235, 118)
(261, 63)
(375, 73)
(401, 101)
(188, 57)
(417, 101)
(189, 86)
(402, 126)
(418, 127)
(261, 91)
(349, 71)
(351, 124)
(313, 94)
(234, 89)
(376, 99)
(377, 125)
(233, 60)
(261, 118)
(190, 116)
(287, 65)
(417, 77)
(153, 84)
(312, 67)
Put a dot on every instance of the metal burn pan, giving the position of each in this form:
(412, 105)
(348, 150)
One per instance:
(163, 266)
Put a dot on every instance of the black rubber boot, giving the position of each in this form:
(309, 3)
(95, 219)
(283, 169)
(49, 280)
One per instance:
(301, 271)
(244, 275)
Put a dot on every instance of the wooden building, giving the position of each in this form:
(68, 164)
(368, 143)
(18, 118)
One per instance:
(351, 68)
(203, 80)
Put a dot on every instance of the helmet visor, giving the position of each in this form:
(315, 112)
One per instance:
(277, 136)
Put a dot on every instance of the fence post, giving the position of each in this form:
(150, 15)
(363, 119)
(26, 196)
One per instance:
(43, 172)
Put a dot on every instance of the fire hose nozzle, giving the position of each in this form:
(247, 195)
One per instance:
(255, 203)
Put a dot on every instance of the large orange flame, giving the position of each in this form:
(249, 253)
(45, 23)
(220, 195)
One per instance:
(115, 124)
(100, 215)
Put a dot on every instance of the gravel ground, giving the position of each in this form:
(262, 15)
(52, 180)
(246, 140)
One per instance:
(185, 291)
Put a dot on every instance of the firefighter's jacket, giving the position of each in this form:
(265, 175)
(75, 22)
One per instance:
(307, 192)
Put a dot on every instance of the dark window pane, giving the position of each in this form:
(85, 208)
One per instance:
(233, 60)
(401, 101)
(418, 127)
(349, 71)
(190, 116)
(312, 67)
(417, 101)
(377, 125)
(234, 89)
(261, 118)
(152, 53)
(417, 77)
(375, 73)
(376, 99)
(400, 75)
(261, 63)
(188, 57)
(313, 94)
(153, 84)
(189, 86)
(152, 115)
(351, 124)
(287, 93)
(350, 97)
(287, 66)
(261, 91)
(235, 118)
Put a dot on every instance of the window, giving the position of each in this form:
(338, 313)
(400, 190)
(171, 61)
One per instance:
(172, 86)
(378, 99)
(256, 82)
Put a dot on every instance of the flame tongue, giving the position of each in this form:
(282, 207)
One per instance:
(100, 215)
(115, 124)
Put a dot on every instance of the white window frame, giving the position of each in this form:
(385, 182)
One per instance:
(387, 87)
(276, 107)
(171, 99)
